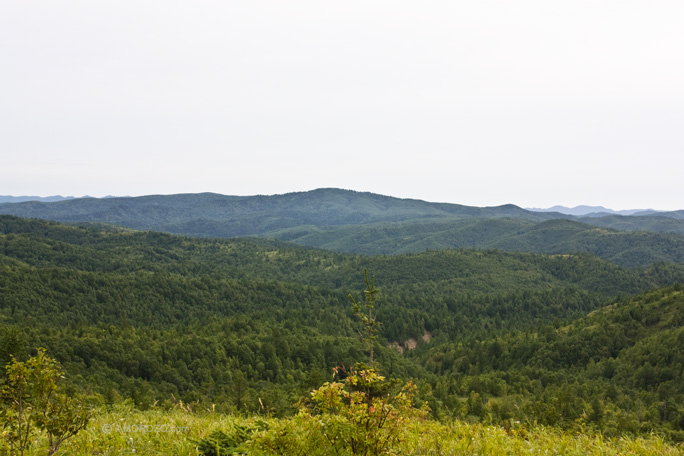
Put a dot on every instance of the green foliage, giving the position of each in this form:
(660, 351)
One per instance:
(617, 371)
(668, 222)
(31, 402)
(347, 221)
(368, 319)
(626, 248)
(248, 326)
(215, 215)
(365, 415)
(219, 443)
(419, 437)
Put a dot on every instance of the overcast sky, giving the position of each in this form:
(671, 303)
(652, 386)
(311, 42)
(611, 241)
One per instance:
(533, 103)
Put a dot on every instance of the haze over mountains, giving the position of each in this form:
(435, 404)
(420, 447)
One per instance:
(23, 199)
(361, 222)
(580, 210)
(593, 210)
(44, 199)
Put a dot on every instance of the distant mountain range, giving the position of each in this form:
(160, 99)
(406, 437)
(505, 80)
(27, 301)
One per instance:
(23, 199)
(42, 199)
(361, 222)
(578, 211)
(595, 211)
(211, 214)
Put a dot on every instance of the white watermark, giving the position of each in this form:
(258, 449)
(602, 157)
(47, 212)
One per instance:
(143, 428)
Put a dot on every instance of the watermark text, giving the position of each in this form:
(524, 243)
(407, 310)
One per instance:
(123, 428)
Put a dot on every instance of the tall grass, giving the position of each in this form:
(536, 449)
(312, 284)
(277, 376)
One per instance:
(123, 430)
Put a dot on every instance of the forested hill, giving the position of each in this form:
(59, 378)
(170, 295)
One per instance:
(44, 244)
(618, 370)
(354, 222)
(250, 323)
(626, 248)
(210, 214)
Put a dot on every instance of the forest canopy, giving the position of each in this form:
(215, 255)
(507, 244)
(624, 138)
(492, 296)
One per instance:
(566, 340)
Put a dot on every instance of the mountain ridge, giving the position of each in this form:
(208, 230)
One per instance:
(364, 222)
(23, 198)
(584, 210)
(320, 207)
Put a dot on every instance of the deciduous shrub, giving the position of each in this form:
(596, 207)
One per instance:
(363, 415)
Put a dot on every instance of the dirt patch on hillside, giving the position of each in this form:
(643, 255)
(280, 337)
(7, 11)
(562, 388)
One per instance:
(410, 344)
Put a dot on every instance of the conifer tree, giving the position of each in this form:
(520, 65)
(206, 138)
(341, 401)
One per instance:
(365, 312)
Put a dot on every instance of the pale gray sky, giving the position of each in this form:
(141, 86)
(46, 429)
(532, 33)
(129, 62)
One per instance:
(482, 102)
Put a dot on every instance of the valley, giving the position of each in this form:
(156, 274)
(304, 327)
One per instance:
(513, 320)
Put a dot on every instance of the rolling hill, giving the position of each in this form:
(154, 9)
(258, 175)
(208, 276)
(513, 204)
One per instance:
(209, 214)
(620, 367)
(629, 249)
(355, 222)
(253, 322)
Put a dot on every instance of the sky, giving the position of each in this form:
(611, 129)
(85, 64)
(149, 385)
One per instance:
(534, 103)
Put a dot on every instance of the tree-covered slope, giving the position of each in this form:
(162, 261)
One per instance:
(668, 222)
(619, 369)
(44, 244)
(152, 316)
(629, 249)
(214, 215)
(355, 222)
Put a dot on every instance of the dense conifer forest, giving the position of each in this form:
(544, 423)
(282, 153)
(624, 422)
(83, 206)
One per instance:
(251, 326)
(370, 224)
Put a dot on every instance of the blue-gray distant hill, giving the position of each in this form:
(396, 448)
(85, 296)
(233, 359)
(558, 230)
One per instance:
(598, 211)
(210, 214)
(361, 222)
(22, 199)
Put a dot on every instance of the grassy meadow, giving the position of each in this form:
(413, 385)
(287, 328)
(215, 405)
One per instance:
(124, 430)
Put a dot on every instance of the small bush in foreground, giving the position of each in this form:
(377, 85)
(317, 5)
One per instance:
(365, 415)
(31, 402)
